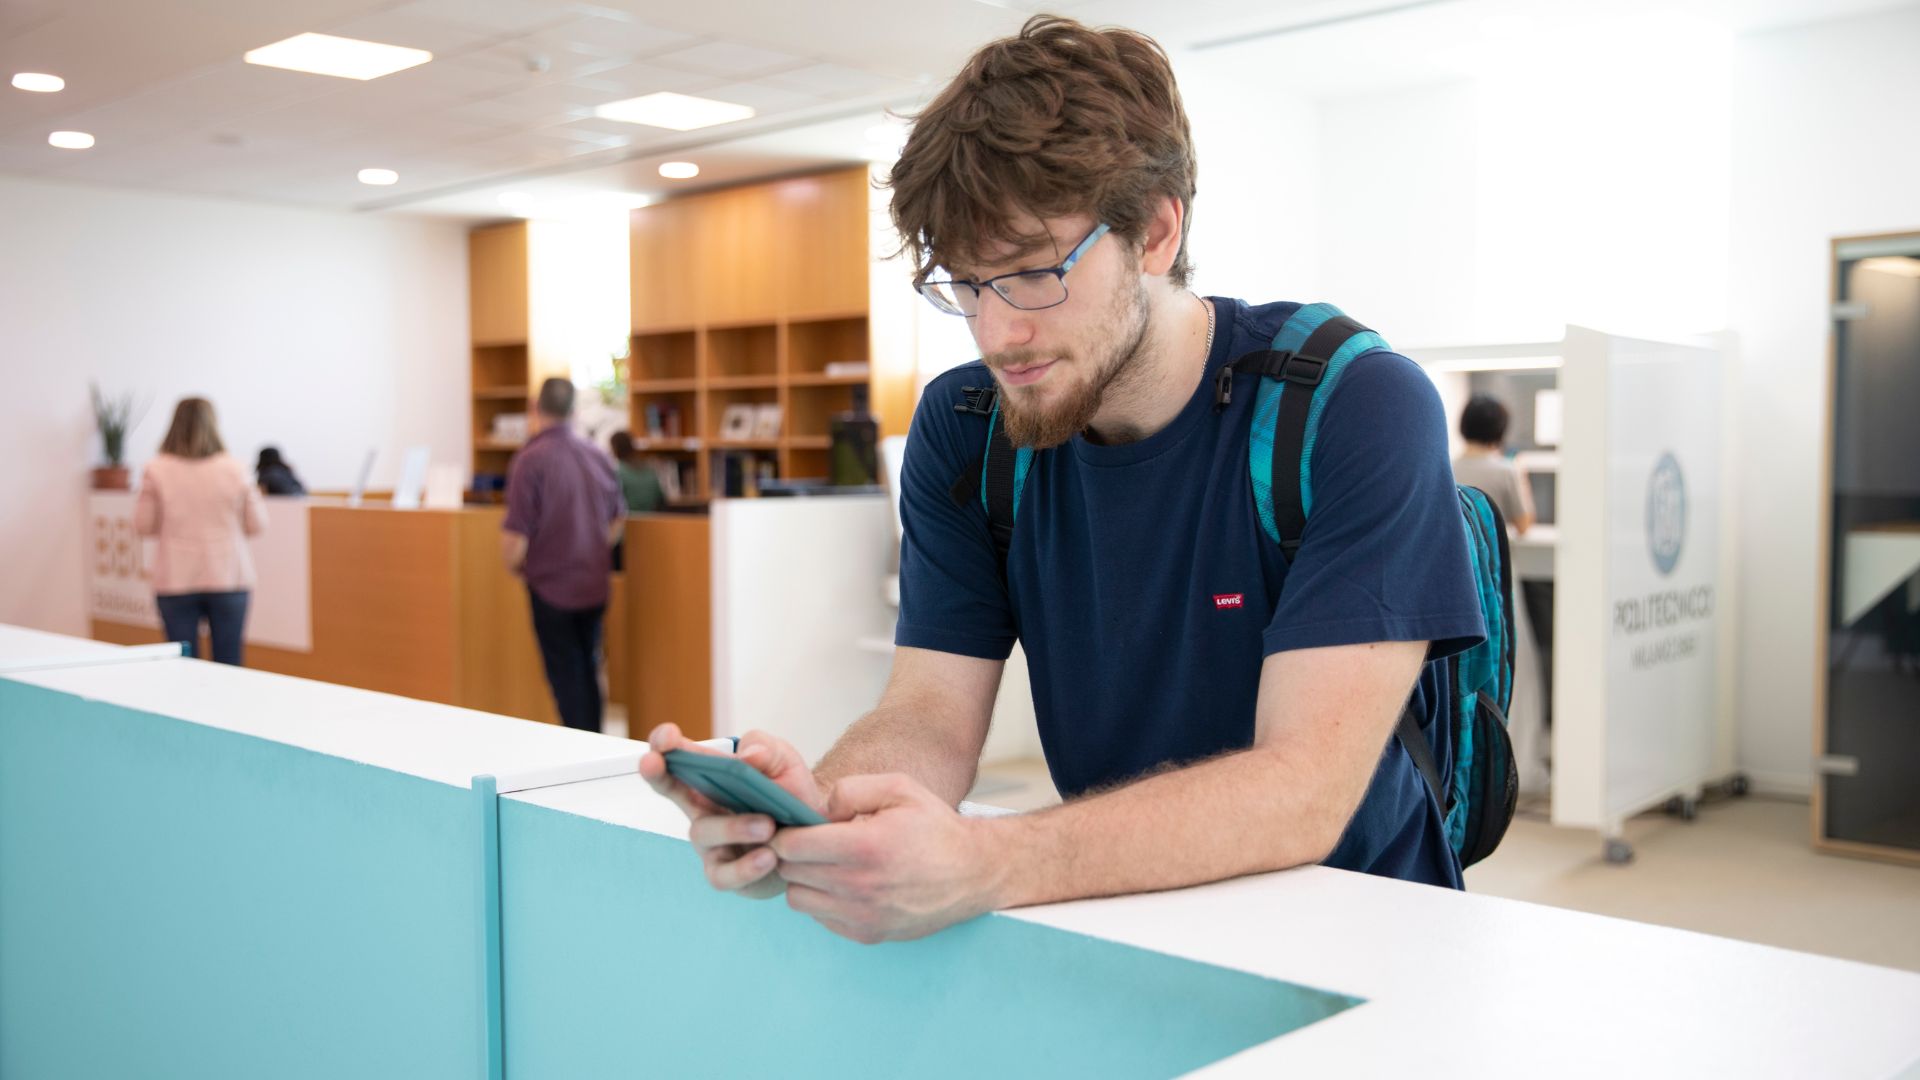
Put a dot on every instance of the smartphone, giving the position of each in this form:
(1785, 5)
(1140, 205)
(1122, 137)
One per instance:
(739, 787)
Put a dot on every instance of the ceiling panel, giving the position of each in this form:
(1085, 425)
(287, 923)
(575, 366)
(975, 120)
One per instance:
(730, 59)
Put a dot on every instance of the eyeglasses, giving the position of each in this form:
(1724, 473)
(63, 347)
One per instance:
(1028, 290)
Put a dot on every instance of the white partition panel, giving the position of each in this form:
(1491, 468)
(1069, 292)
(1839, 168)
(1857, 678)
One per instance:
(796, 586)
(1640, 560)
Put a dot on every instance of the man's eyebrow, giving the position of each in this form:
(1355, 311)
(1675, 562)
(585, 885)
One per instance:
(1040, 245)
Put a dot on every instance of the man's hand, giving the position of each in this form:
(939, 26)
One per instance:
(732, 847)
(896, 864)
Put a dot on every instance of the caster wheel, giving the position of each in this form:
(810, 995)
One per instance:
(1689, 809)
(1674, 807)
(1619, 852)
(1738, 786)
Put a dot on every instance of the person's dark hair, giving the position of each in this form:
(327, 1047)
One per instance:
(269, 459)
(1059, 119)
(1484, 420)
(194, 432)
(622, 446)
(556, 398)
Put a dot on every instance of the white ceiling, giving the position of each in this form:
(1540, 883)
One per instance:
(508, 100)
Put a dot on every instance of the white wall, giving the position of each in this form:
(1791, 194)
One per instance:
(326, 334)
(1822, 147)
(1399, 219)
(1255, 232)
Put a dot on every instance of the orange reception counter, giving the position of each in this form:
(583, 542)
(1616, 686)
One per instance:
(418, 603)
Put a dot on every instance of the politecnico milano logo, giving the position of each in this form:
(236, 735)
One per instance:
(1666, 514)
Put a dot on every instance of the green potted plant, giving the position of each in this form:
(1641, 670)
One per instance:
(113, 415)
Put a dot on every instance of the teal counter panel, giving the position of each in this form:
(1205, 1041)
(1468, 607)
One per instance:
(178, 900)
(619, 961)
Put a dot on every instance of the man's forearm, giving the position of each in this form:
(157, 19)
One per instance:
(1244, 813)
(904, 737)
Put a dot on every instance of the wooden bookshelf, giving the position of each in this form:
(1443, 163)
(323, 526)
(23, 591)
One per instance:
(501, 375)
(750, 296)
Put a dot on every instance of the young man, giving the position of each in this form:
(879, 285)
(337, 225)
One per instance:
(564, 514)
(1045, 197)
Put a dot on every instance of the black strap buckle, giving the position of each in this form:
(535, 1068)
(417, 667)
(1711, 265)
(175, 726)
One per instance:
(1303, 370)
(979, 400)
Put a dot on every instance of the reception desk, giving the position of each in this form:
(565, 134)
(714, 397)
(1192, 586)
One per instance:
(417, 603)
(250, 875)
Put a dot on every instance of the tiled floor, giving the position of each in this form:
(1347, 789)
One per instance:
(1743, 869)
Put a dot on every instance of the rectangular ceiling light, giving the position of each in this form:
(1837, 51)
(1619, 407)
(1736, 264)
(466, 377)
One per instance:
(344, 58)
(677, 112)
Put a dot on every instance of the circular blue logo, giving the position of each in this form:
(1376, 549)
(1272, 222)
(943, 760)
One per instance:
(1666, 514)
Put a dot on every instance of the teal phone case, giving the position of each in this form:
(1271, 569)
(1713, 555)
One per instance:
(739, 787)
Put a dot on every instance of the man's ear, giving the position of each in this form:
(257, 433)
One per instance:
(1162, 242)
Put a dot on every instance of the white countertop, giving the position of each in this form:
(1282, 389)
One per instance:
(437, 742)
(22, 649)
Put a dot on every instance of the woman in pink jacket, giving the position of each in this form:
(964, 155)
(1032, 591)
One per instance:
(202, 506)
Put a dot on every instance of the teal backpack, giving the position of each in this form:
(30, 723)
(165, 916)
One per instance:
(1314, 346)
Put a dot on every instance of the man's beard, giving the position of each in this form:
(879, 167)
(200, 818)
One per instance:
(1030, 422)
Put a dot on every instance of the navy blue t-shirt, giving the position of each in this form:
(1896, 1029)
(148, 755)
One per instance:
(1121, 553)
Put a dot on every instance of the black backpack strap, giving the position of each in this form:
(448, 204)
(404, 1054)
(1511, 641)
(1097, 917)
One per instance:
(1421, 752)
(997, 473)
(993, 479)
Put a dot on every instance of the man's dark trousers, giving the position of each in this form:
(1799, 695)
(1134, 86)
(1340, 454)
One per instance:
(570, 647)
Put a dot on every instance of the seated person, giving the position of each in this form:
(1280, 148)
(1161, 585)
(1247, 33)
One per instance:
(274, 475)
(1485, 465)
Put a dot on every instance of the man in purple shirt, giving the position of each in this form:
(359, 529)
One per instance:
(564, 514)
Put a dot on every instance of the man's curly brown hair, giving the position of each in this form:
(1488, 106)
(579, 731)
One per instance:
(1059, 119)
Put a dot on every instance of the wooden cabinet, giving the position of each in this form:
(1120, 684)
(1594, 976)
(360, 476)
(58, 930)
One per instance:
(497, 278)
(822, 244)
(663, 245)
(500, 377)
(787, 249)
(751, 296)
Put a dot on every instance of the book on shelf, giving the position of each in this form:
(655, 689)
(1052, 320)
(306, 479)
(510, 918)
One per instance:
(668, 473)
(766, 421)
(510, 427)
(662, 420)
(737, 423)
(847, 369)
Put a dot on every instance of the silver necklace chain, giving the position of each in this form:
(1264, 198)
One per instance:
(1203, 303)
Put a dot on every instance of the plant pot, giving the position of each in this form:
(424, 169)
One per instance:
(113, 478)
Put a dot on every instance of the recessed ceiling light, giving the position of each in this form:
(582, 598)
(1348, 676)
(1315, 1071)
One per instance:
(70, 140)
(38, 83)
(679, 170)
(343, 58)
(678, 112)
(379, 177)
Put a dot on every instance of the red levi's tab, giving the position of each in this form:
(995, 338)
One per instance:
(1224, 601)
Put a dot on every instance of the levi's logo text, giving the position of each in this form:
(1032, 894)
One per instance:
(1229, 600)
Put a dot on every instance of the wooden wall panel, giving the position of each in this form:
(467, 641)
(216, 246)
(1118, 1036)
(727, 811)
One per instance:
(497, 283)
(671, 624)
(383, 608)
(738, 276)
(820, 248)
(663, 239)
(499, 658)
